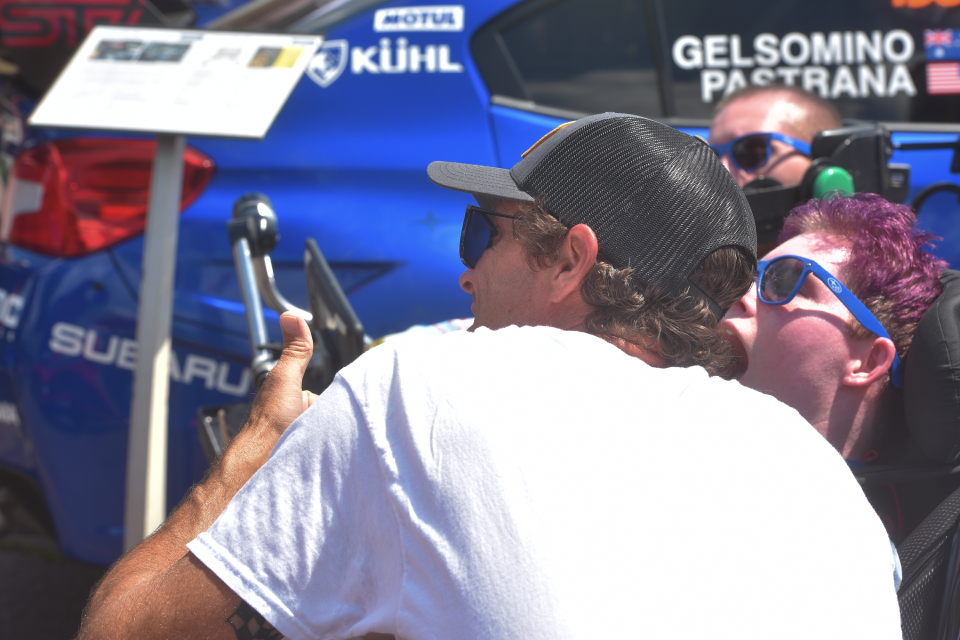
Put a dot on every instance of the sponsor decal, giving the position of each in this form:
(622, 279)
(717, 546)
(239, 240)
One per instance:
(834, 284)
(71, 340)
(329, 62)
(405, 58)
(943, 78)
(431, 221)
(838, 64)
(941, 44)
(387, 58)
(919, 4)
(438, 18)
(35, 23)
(942, 48)
(11, 306)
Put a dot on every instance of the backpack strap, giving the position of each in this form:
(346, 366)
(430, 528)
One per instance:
(926, 557)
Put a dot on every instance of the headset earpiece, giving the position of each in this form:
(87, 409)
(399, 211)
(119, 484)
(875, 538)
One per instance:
(823, 177)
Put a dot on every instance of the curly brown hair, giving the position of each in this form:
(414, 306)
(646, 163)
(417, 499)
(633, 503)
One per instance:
(680, 328)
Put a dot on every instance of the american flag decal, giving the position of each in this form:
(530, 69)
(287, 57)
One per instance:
(943, 78)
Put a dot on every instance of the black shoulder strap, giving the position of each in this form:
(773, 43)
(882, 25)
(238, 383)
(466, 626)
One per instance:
(939, 523)
(925, 556)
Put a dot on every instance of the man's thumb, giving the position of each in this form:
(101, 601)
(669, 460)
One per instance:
(297, 346)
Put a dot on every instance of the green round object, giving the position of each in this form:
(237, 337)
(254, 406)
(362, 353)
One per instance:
(833, 179)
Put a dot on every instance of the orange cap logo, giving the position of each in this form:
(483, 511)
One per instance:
(919, 4)
(540, 141)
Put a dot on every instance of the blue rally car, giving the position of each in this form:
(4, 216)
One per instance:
(392, 88)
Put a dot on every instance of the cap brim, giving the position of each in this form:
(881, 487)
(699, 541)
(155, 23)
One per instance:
(476, 179)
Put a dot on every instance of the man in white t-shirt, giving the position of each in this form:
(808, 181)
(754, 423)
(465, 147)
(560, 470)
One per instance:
(565, 470)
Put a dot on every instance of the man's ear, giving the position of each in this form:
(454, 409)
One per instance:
(876, 360)
(578, 253)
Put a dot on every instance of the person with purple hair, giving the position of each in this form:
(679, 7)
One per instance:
(797, 336)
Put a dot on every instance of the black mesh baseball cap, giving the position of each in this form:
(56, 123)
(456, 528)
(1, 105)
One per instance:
(658, 200)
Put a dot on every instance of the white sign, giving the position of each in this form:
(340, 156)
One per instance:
(437, 18)
(838, 64)
(180, 82)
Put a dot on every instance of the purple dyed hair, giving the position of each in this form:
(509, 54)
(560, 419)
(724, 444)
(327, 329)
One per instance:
(889, 269)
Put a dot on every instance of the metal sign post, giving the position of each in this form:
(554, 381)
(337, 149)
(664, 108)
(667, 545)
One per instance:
(146, 500)
(171, 83)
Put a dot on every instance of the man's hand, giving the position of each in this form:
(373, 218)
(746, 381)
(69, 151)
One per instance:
(159, 589)
(309, 397)
(282, 399)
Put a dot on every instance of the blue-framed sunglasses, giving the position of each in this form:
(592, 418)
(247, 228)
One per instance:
(752, 151)
(780, 279)
(476, 236)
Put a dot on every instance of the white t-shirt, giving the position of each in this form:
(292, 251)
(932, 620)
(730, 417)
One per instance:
(537, 483)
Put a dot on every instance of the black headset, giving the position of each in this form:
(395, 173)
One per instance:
(848, 159)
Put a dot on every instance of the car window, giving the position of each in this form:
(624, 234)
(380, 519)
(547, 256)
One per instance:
(582, 55)
(298, 16)
(893, 60)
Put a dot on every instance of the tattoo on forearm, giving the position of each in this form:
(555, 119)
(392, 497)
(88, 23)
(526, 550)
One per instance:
(250, 625)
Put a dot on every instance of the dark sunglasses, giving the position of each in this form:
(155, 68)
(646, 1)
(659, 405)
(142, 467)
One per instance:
(476, 236)
(752, 151)
(781, 278)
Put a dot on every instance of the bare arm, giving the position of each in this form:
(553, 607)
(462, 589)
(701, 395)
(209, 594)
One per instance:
(159, 589)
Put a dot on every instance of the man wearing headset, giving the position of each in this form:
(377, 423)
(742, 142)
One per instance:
(765, 132)
(762, 135)
(570, 477)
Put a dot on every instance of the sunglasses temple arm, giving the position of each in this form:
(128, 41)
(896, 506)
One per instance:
(870, 322)
(896, 373)
(799, 145)
(865, 317)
